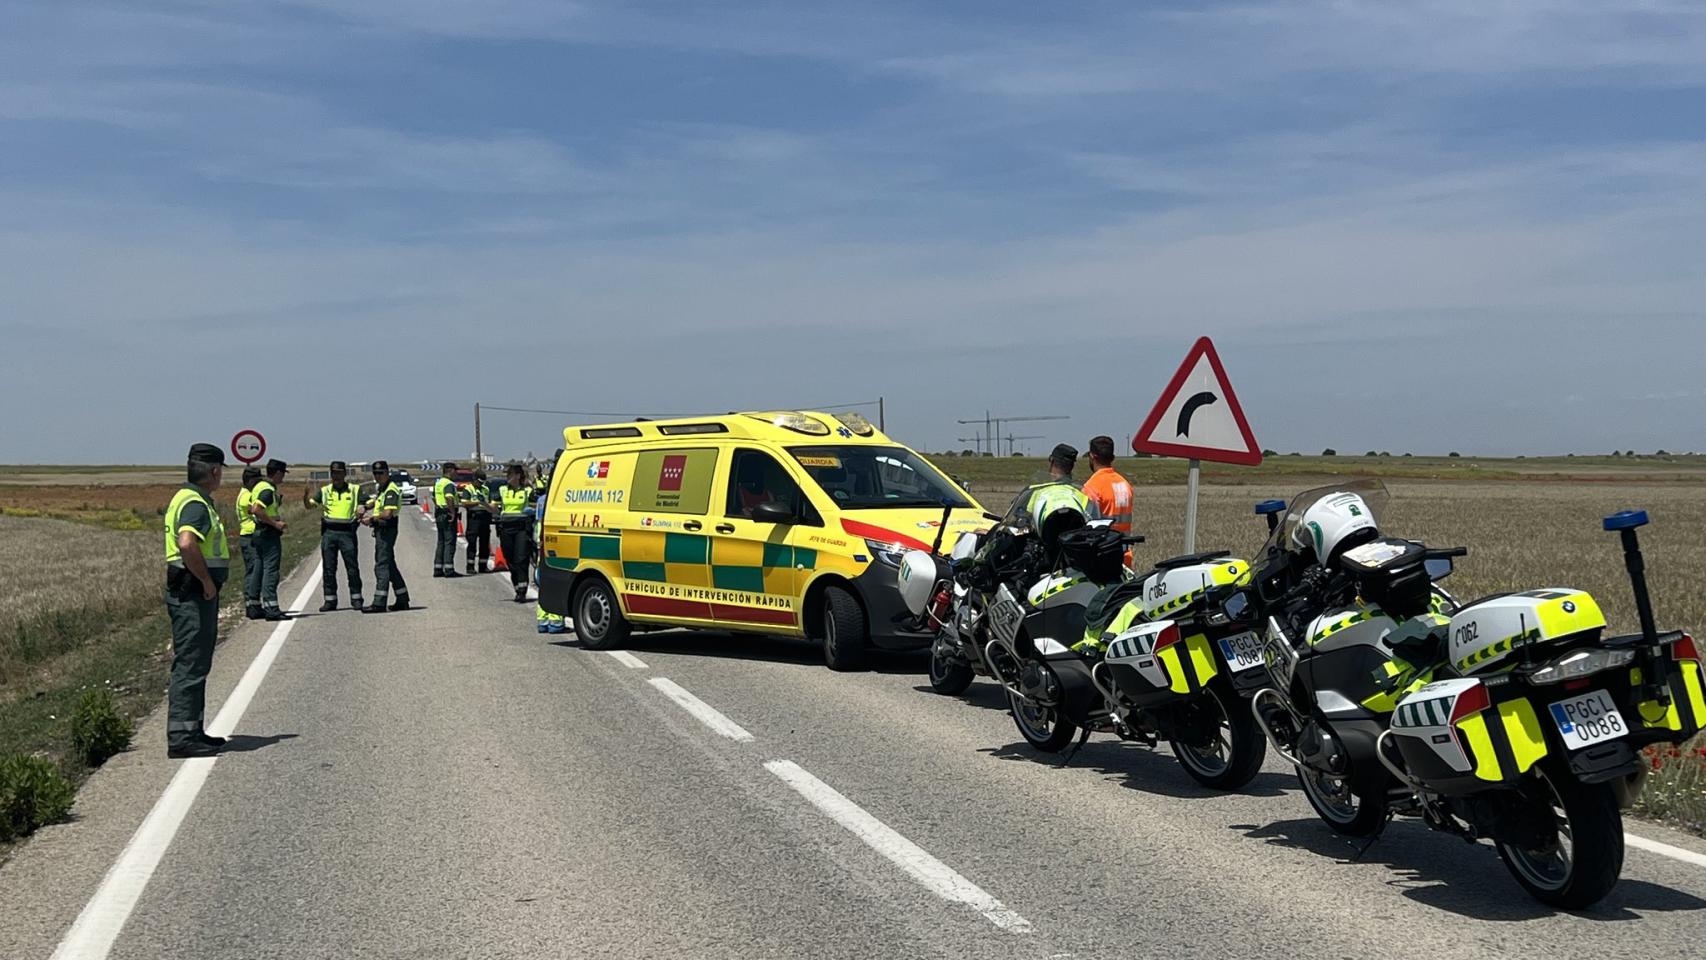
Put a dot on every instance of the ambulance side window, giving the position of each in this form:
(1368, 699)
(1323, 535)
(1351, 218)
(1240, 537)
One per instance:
(754, 478)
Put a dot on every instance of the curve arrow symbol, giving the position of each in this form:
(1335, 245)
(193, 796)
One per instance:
(1189, 410)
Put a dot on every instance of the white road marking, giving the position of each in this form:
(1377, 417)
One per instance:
(628, 660)
(935, 875)
(95, 930)
(1665, 850)
(701, 710)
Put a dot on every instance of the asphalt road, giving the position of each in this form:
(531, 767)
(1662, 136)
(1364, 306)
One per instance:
(448, 783)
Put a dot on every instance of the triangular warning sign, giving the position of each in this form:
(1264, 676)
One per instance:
(1198, 416)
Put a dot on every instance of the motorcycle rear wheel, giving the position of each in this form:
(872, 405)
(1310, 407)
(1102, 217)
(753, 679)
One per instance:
(1341, 808)
(1583, 861)
(949, 675)
(1042, 727)
(1236, 749)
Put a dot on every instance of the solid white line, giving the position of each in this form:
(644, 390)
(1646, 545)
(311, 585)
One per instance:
(1665, 850)
(628, 660)
(936, 876)
(701, 710)
(95, 930)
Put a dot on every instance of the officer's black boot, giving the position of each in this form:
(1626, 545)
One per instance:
(401, 603)
(328, 606)
(520, 594)
(274, 614)
(375, 607)
(470, 567)
(253, 611)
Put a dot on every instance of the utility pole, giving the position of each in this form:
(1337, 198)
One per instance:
(882, 422)
(479, 451)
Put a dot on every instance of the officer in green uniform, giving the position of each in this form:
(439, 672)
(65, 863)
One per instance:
(245, 529)
(337, 502)
(445, 504)
(266, 505)
(198, 557)
(477, 502)
(515, 526)
(380, 513)
(1037, 501)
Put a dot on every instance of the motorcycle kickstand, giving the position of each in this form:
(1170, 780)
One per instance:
(1373, 838)
(1083, 737)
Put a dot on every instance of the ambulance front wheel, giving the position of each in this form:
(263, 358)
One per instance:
(598, 616)
(845, 634)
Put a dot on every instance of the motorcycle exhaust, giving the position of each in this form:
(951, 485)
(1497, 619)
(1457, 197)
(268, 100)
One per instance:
(995, 672)
(1261, 721)
(1628, 789)
(1396, 769)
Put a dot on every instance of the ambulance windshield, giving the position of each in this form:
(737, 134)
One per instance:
(869, 477)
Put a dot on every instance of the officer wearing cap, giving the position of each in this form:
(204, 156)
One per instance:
(266, 505)
(445, 505)
(477, 502)
(380, 513)
(198, 557)
(337, 501)
(245, 530)
(1037, 501)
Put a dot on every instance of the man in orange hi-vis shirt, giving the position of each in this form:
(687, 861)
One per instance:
(1106, 488)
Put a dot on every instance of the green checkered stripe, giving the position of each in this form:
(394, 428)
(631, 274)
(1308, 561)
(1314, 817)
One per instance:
(1347, 623)
(683, 558)
(1500, 648)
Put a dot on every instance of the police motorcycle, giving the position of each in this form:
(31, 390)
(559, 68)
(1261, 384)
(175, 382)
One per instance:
(1402, 700)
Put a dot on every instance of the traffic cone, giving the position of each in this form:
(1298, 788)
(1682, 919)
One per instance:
(498, 562)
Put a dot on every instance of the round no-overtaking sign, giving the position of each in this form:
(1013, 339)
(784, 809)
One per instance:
(248, 446)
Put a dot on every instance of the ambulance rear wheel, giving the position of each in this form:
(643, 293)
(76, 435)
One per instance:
(844, 632)
(598, 616)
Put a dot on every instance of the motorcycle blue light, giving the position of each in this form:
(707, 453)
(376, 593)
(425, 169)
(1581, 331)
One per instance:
(1267, 507)
(1626, 520)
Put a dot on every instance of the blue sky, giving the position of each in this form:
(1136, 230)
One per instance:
(1427, 226)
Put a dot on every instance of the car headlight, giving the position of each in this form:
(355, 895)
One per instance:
(889, 553)
(1581, 663)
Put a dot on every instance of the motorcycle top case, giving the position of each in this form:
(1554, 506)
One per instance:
(1168, 591)
(1485, 633)
(1457, 740)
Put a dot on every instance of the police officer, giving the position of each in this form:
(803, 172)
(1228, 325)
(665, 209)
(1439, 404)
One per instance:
(515, 526)
(266, 505)
(477, 502)
(198, 557)
(1058, 498)
(337, 501)
(245, 529)
(380, 513)
(445, 505)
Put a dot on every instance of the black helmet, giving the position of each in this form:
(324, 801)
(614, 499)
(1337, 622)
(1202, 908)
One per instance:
(1057, 523)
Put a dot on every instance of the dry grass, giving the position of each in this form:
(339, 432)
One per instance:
(64, 580)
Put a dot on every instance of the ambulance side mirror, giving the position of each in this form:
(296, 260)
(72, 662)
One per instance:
(772, 512)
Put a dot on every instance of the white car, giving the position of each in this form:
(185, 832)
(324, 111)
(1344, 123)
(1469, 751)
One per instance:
(405, 485)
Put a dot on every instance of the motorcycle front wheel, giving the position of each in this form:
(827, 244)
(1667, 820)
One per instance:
(1580, 861)
(1342, 808)
(1042, 727)
(949, 674)
(1231, 753)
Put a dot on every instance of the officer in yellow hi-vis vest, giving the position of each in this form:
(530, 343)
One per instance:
(198, 557)
(445, 506)
(245, 529)
(380, 513)
(337, 502)
(515, 526)
(266, 505)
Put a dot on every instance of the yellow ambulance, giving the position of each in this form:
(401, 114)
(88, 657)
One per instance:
(790, 523)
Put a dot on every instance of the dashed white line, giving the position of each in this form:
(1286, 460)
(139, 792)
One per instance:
(933, 874)
(95, 930)
(1665, 850)
(627, 659)
(701, 710)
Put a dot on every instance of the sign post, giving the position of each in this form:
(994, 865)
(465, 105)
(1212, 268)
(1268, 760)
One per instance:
(248, 446)
(1198, 418)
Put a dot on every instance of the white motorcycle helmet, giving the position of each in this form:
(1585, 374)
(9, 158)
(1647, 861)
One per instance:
(1333, 524)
